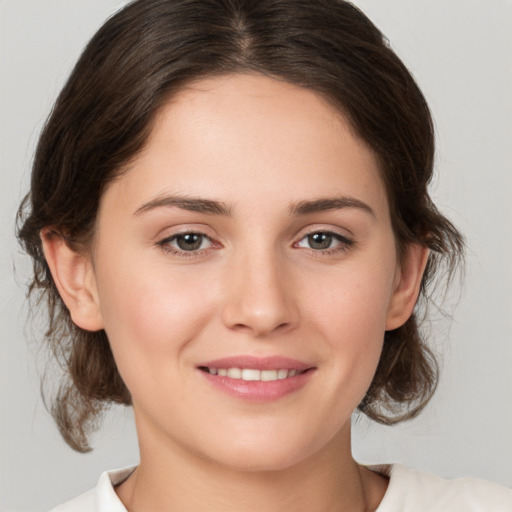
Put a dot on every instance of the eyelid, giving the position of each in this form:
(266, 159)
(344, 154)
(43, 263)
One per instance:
(164, 243)
(327, 229)
(345, 242)
(183, 228)
(343, 233)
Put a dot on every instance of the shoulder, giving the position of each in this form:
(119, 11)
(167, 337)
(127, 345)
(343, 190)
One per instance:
(410, 489)
(84, 503)
(102, 498)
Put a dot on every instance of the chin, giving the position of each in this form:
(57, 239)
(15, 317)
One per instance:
(262, 455)
(254, 462)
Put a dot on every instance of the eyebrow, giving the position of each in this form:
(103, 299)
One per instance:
(193, 204)
(329, 203)
(212, 207)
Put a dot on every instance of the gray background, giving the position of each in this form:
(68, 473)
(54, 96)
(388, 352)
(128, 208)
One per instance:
(461, 53)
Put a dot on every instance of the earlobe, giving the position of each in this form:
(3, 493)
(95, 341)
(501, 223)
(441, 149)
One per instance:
(407, 286)
(74, 277)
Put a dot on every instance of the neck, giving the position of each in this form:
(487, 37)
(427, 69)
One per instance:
(174, 479)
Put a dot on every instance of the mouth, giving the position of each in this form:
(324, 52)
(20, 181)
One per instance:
(252, 374)
(259, 379)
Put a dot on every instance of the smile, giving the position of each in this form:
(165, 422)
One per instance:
(257, 379)
(251, 374)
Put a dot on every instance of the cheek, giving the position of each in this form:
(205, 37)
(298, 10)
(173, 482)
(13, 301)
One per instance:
(352, 305)
(150, 316)
(351, 319)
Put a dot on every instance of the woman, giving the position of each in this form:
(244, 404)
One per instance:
(229, 218)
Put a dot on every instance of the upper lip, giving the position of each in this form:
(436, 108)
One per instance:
(257, 363)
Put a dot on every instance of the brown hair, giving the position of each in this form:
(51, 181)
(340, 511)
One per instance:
(142, 56)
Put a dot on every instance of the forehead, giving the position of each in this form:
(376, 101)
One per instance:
(249, 137)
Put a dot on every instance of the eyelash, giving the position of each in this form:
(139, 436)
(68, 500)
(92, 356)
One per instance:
(166, 246)
(343, 244)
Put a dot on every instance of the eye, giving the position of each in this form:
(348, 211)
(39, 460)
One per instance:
(326, 241)
(186, 242)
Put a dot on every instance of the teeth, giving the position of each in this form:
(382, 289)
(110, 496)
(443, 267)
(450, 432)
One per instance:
(282, 374)
(249, 374)
(268, 374)
(234, 373)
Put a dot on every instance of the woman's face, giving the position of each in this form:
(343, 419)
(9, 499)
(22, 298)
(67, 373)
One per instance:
(250, 239)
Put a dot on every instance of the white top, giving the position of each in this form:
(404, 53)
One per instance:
(408, 491)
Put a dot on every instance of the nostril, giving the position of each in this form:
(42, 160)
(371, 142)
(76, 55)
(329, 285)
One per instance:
(258, 310)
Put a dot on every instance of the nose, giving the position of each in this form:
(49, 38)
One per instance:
(260, 298)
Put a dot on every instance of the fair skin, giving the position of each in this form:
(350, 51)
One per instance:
(290, 254)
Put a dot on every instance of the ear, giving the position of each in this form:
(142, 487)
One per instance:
(407, 286)
(74, 277)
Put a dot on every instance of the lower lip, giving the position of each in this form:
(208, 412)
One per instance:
(257, 390)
